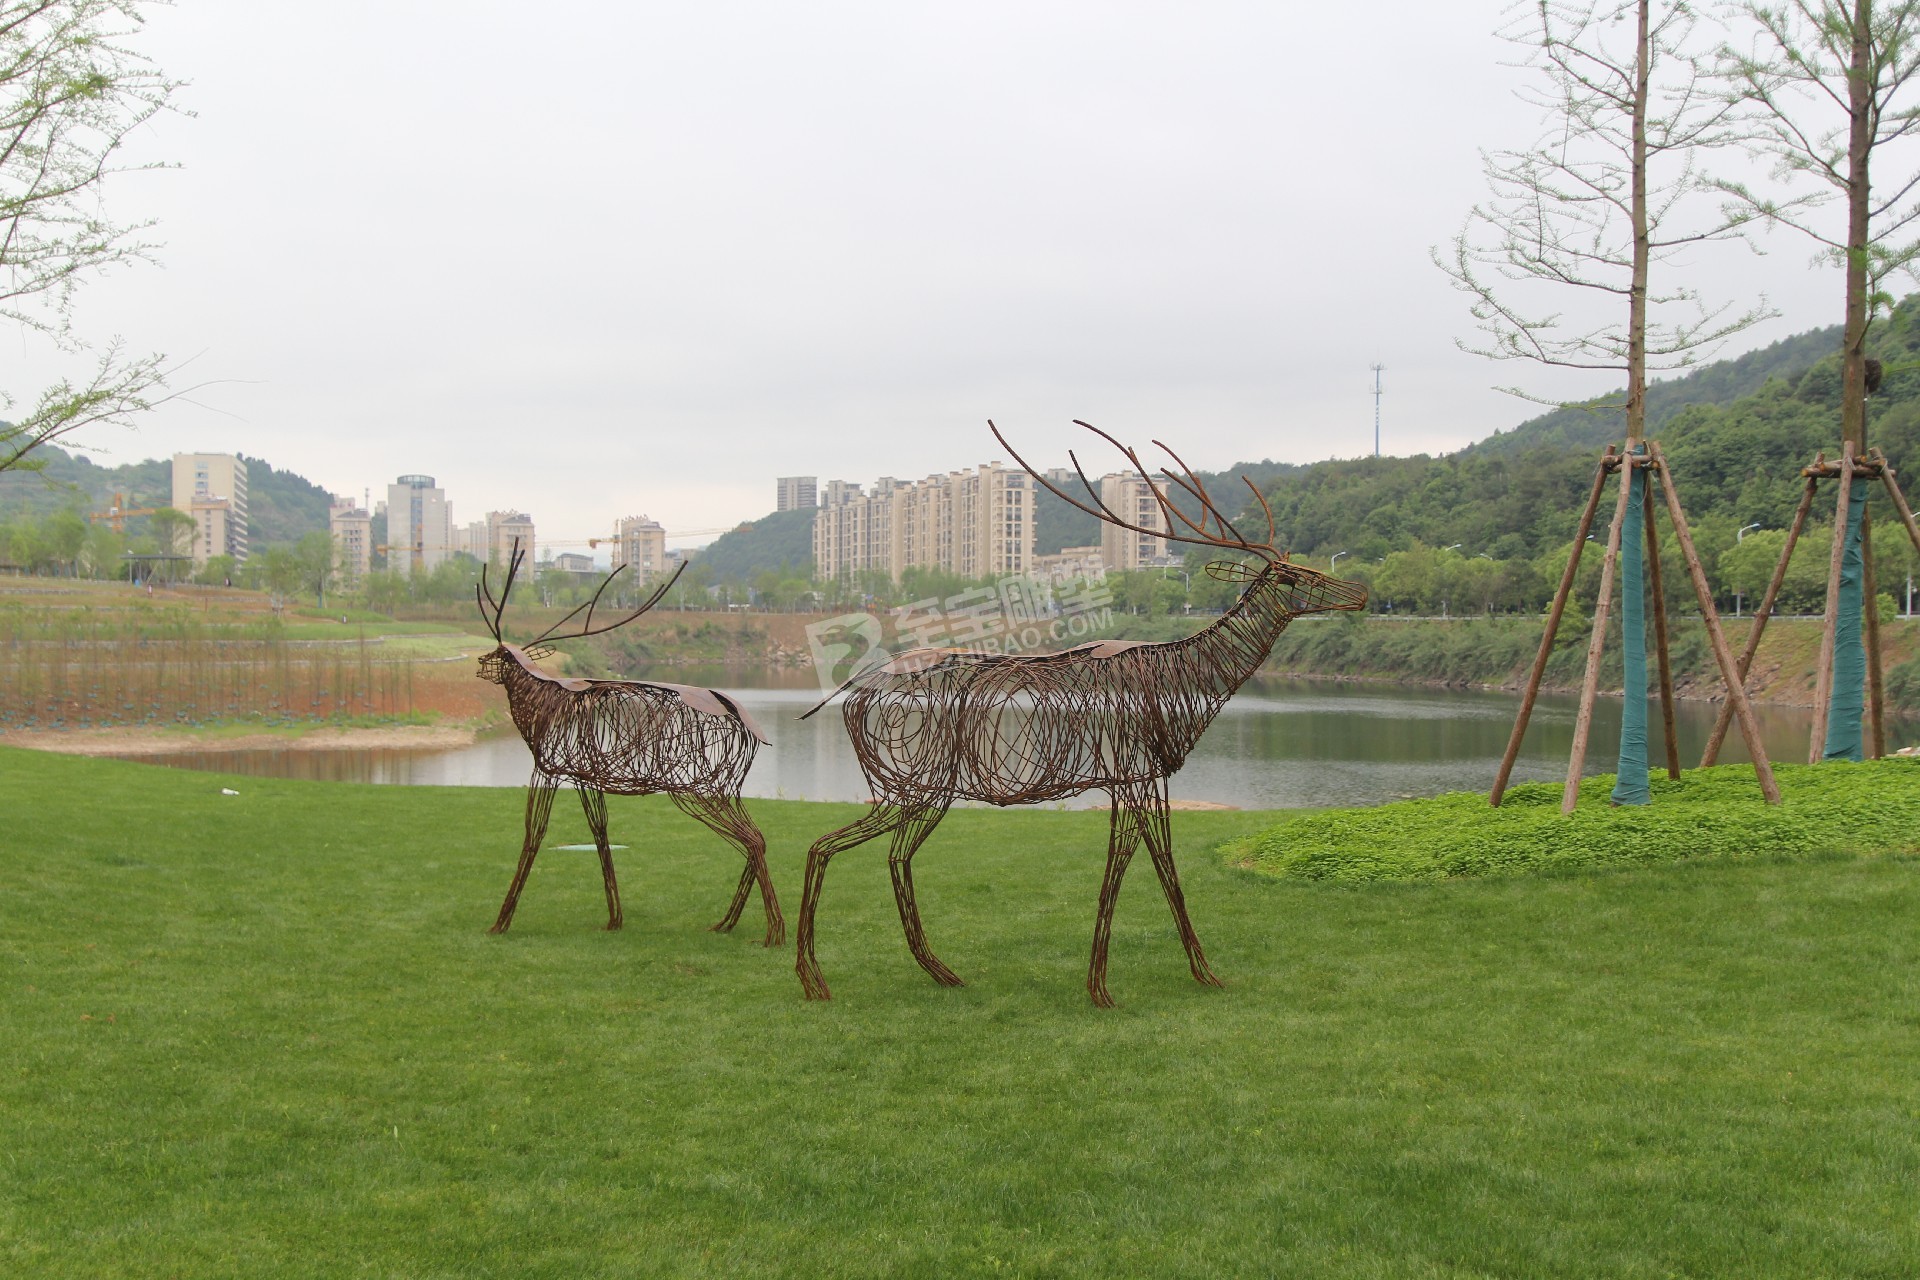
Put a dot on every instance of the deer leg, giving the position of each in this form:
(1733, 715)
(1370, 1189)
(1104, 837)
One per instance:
(907, 839)
(883, 818)
(1123, 838)
(727, 817)
(594, 801)
(539, 807)
(1153, 824)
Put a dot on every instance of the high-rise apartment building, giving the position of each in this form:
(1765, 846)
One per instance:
(641, 543)
(419, 524)
(504, 530)
(978, 524)
(212, 488)
(797, 493)
(1130, 498)
(352, 530)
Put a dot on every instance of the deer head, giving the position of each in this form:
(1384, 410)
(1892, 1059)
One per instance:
(493, 664)
(1303, 590)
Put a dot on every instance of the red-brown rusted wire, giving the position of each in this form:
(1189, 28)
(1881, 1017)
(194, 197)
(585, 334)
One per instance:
(935, 726)
(627, 737)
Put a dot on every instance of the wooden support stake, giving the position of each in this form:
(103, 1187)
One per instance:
(1590, 683)
(1899, 499)
(1736, 688)
(1553, 627)
(1660, 639)
(1759, 627)
(1876, 706)
(1823, 669)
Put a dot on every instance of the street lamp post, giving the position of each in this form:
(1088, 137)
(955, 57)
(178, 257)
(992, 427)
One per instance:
(1335, 560)
(1740, 535)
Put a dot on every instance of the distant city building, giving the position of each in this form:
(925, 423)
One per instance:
(978, 524)
(1130, 498)
(641, 543)
(797, 493)
(505, 529)
(469, 539)
(212, 488)
(1069, 563)
(352, 530)
(419, 524)
(573, 562)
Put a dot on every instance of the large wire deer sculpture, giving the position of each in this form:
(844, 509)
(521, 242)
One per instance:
(627, 737)
(937, 725)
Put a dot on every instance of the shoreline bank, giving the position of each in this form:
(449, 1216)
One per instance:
(156, 740)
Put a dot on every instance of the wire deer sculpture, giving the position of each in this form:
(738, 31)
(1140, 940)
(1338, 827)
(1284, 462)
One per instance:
(627, 737)
(933, 726)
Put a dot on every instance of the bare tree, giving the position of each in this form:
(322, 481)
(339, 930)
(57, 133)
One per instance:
(1606, 192)
(1828, 83)
(72, 91)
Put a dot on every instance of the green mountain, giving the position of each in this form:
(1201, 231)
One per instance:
(781, 541)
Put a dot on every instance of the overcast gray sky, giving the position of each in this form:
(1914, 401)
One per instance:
(601, 258)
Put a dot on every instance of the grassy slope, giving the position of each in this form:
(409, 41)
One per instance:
(264, 1035)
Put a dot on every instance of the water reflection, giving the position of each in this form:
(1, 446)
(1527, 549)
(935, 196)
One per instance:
(1280, 744)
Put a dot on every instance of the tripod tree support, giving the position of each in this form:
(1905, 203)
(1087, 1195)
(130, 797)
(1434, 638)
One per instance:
(1640, 467)
(1736, 690)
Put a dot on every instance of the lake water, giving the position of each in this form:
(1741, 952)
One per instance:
(1280, 743)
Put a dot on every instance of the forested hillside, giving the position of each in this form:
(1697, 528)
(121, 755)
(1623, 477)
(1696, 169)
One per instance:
(1735, 463)
(281, 506)
(1603, 419)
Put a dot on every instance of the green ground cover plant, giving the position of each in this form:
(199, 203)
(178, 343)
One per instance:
(264, 1035)
(1863, 809)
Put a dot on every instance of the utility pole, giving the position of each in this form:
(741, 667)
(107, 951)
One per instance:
(1376, 408)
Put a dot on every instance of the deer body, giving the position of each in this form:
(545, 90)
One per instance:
(932, 727)
(1048, 726)
(630, 737)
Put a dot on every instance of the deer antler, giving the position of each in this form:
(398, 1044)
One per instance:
(587, 628)
(482, 597)
(1228, 535)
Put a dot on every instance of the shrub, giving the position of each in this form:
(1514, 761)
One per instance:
(1867, 808)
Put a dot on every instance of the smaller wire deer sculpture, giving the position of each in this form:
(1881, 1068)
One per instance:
(937, 725)
(627, 737)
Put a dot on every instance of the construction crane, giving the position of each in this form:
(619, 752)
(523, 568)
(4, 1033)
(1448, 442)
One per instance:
(671, 533)
(117, 513)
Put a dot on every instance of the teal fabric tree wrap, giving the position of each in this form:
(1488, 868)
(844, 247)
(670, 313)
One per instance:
(1848, 699)
(1630, 786)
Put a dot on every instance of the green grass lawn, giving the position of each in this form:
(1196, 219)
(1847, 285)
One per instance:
(266, 1035)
